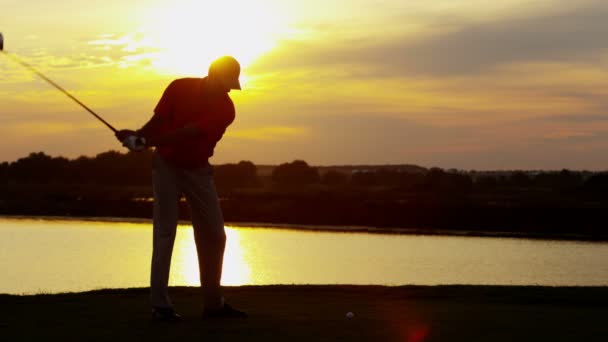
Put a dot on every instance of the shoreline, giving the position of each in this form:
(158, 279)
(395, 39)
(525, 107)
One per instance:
(353, 229)
(417, 289)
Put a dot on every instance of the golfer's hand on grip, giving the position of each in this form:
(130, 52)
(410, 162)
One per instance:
(134, 143)
(123, 134)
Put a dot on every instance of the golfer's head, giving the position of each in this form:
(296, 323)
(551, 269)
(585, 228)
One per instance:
(225, 71)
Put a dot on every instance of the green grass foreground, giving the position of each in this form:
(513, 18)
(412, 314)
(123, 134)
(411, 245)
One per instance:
(318, 313)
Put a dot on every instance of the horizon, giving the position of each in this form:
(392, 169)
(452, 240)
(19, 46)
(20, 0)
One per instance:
(467, 85)
(398, 164)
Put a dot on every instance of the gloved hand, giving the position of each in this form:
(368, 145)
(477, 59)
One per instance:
(123, 134)
(134, 143)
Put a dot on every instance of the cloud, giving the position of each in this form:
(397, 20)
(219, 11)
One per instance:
(507, 95)
(569, 134)
(575, 36)
(270, 133)
(106, 50)
(567, 35)
(575, 118)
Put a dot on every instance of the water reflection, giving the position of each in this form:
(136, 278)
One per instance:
(71, 255)
(184, 267)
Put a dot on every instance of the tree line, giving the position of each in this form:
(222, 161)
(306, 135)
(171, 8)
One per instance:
(538, 203)
(133, 169)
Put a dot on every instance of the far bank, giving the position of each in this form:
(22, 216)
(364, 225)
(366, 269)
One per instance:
(419, 213)
(340, 228)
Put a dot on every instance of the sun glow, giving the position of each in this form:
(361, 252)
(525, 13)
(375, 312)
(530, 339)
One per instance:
(185, 270)
(190, 34)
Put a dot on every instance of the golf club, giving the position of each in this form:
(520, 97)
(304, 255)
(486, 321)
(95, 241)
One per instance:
(32, 69)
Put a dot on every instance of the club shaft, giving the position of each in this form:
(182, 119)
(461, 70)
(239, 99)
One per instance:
(65, 92)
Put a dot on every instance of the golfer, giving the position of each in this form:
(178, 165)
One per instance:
(190, 118)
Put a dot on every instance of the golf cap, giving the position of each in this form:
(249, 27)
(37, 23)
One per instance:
(228, 69)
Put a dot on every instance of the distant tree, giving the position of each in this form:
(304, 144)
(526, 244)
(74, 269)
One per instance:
(113, 168)
(409, 180)
(392, 178)
(563, 180)
(364, 178)
(434, 178)
(520, 179)
(81, 169)
(438, 180)
(460, 182)
(295, 173)
(570, 180)
(387, 177)
(38, 168)
(597, 184)
(109, 168)
(233, 176)
(334, 178)
(4, 172)
(486, 182)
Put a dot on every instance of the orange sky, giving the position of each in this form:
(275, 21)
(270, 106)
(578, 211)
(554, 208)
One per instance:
(448, 83)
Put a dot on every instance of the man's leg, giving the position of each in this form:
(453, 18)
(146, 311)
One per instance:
(166, 197)
(209, 234)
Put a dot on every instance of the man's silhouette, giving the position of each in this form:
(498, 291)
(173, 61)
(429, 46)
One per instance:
(188, 121)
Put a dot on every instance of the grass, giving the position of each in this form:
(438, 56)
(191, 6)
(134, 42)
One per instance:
(318, 313)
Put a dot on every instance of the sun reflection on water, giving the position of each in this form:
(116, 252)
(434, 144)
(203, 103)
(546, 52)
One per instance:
(117, 255)
(184, 267)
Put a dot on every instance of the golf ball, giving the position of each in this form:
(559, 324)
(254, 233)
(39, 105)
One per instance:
(350, 315)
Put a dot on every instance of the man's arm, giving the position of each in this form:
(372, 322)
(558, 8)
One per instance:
(188, 131)
(150, 132)
(150, 127)
(147, 130)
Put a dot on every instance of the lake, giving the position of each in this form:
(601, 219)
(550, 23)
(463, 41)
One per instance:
(54, 255)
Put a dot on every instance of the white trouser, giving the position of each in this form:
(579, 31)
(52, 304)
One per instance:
(197, 185)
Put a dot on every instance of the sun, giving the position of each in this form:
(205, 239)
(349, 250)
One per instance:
(189, 34)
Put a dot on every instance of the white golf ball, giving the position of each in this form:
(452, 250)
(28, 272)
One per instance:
(350, 315)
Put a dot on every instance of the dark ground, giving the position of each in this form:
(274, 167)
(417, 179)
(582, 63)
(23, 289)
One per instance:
(317, 313)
